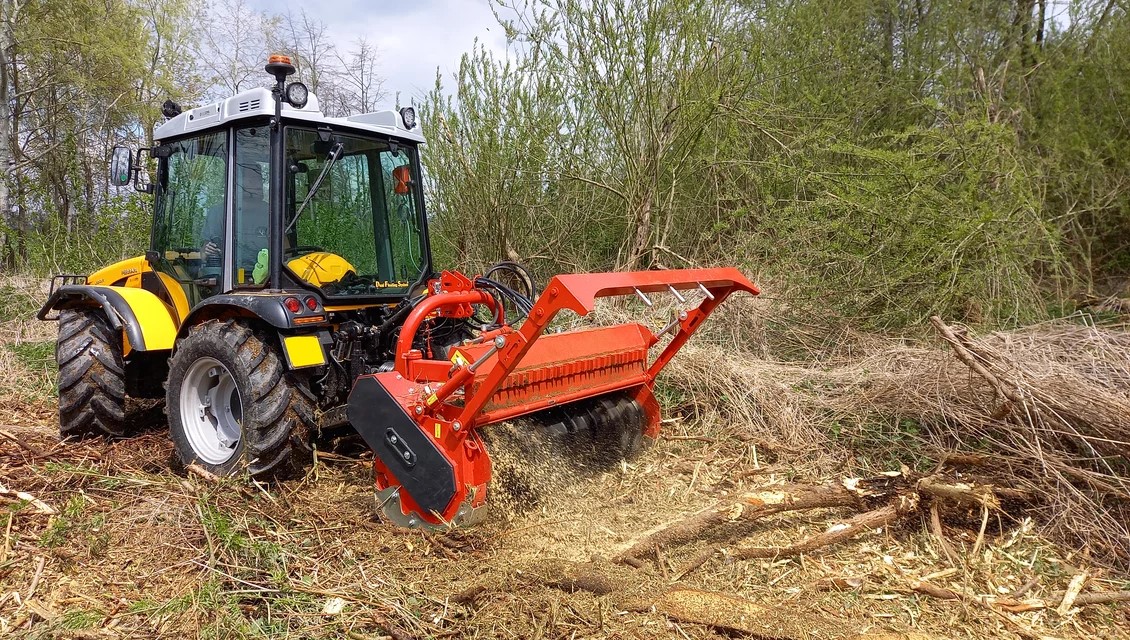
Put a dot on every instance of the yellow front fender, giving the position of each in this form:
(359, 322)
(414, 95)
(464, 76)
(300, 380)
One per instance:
(125, 273)
(146, 323)
(130, 273)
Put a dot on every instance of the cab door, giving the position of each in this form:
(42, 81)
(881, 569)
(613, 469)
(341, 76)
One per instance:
(190, 228)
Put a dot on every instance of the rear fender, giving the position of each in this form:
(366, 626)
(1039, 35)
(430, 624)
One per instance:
(301, 348)
(266, 307)
(142, 318)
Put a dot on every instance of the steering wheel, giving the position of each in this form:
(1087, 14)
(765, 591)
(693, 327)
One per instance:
(302, 249)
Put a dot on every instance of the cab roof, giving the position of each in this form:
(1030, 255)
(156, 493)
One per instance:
(259, 102)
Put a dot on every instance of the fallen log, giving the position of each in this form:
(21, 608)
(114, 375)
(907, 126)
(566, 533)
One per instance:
(718, 610)
(570, 576)
(897, 495)
(982, 495)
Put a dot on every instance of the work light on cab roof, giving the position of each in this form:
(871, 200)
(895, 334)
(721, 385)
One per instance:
(288, 297)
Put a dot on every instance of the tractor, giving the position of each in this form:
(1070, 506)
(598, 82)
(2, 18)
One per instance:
(288, 292)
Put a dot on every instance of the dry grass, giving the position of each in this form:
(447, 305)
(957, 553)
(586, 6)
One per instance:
(136, 550)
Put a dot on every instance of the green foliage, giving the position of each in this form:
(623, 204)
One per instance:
(76, 619)
(37, 356)
(904, 225)
(66, 524)
(68, 90)
(19, 303)
(118, 230)
(880, 161)
(1078, 129)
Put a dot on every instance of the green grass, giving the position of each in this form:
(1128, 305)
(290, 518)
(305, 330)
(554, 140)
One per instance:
(884, 443)
(64, 526)
(19, 304)
(36, 371)
(37, 356)
(77, 619)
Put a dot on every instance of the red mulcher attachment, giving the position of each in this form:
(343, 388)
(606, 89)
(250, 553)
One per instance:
(422, 418)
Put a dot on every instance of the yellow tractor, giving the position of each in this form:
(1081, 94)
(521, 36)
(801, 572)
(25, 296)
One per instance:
(289, 290)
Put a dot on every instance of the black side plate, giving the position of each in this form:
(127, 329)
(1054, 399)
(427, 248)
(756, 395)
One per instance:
(420, 467)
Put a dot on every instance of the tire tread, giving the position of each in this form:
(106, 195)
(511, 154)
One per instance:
(276, 431)
(92, 397)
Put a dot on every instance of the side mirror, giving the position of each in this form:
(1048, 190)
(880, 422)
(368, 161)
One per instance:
(121, 167)
(402, 180)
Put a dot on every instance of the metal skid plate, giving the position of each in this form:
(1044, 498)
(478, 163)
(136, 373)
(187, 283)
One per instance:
(388, 503)
(408, 453)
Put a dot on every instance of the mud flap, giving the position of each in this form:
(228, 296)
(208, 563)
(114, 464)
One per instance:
(418, 464)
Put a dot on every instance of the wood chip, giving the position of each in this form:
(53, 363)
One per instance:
(1074, 588)
(40, 506)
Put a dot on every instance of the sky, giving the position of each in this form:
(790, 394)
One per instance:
(413, 37)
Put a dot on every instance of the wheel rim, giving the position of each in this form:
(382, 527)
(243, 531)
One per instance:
(211, 411)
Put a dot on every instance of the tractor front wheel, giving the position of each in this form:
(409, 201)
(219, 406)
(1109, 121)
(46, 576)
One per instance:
(92, 388)
(233, 406)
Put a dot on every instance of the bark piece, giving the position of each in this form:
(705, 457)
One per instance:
(747, 507)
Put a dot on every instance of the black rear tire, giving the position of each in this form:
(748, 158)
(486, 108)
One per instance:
(92, 389)
(277, 418)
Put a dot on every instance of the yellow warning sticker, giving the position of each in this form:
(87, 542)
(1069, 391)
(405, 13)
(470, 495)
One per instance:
(459, 359)
(437, 430)
(432, 399)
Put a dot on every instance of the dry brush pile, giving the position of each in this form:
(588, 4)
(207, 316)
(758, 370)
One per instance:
(1042, 413)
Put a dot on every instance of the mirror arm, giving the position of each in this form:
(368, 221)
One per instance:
(137, 184)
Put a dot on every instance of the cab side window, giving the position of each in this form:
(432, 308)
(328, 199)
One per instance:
(251, 222)
(189, 232)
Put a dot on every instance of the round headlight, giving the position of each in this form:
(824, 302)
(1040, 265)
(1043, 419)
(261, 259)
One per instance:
(297, 94)
(408, 114)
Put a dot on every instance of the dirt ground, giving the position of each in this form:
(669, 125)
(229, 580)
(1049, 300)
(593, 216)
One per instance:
(107, 540)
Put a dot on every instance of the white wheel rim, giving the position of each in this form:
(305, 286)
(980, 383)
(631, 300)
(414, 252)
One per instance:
(211, 411)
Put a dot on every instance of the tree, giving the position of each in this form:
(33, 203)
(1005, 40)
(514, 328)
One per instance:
(653, 75)
(234, 45)
(360, 88)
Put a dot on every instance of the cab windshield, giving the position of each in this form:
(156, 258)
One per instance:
(352, 224)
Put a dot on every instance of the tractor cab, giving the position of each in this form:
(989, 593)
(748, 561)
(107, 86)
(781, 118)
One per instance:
(247, 199)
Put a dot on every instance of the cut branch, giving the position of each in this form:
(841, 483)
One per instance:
(862, 523)
(747, 508)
